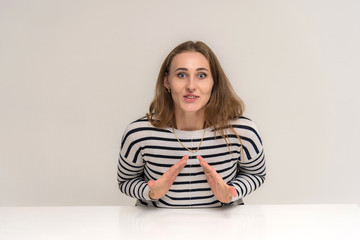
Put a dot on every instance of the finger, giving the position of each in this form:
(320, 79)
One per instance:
(182, 163)
(207, 168)
(170, 175)
(203, 163)
(177, 167)
(233, 191)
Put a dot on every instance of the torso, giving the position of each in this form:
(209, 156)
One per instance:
(159, 149)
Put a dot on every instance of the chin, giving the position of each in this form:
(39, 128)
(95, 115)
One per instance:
(192, 110)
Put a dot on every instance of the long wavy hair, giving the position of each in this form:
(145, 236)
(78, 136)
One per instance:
(224, 104)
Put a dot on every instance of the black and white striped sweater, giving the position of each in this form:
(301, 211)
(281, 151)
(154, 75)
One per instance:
(148, 152)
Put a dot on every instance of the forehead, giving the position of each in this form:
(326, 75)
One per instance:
(190, 60)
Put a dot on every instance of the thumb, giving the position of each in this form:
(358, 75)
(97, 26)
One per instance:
(233, 191)
(151, 183)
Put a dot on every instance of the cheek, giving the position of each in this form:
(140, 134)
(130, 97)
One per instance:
(176, 94)
(210, 88)
(176, 86)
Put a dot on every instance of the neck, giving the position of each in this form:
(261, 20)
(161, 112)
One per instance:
(190, 121)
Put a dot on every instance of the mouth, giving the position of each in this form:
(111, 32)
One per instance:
(190, 98)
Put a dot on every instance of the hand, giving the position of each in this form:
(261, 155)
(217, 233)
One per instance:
(161, 186)
(221, 190)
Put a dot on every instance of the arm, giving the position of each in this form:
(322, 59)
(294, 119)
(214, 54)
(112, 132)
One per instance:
(251, 175)
(134, 185)
(223, 192)
(130, 178)
(130, 172)
(251, 165)
(250, 168)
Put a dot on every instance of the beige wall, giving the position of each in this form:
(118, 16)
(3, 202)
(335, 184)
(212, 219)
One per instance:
(73, 74)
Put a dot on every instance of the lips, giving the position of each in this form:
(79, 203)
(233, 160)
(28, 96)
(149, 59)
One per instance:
(190, 98)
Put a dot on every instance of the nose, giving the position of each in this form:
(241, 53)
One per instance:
(191, 84)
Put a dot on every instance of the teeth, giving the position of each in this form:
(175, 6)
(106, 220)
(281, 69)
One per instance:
(191, 97)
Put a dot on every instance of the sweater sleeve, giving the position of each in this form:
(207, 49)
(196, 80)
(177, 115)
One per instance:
(251, 165)
(130, 171)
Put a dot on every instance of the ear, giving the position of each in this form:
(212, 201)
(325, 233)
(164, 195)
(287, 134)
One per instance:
(166, 81)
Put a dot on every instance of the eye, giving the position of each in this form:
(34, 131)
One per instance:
(181, 75)
(202, 75)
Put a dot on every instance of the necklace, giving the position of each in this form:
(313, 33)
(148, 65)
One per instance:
(192, 151)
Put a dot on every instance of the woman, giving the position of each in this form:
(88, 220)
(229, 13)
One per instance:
(194, 148)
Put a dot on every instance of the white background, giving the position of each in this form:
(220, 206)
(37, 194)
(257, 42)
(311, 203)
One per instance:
(74, 73)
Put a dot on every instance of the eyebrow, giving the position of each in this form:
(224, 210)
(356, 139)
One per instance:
(185, 69)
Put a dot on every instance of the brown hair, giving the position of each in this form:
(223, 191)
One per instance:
(224, 104)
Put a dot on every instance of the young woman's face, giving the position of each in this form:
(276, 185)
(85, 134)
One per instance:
(190, 82)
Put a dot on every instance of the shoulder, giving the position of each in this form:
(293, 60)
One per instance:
(243, 122)
(141, 128)
(246, 127)
(143, 124)
(138, 123)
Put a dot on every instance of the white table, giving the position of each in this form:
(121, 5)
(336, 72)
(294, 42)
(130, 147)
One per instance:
(240, 222)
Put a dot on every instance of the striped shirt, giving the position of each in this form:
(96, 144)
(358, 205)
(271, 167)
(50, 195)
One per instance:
(148, 152)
